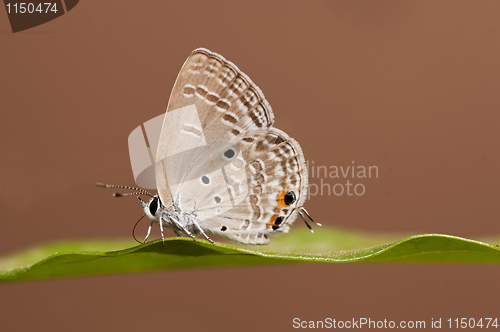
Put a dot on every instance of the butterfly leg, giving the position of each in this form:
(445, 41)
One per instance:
(161, 229)
(202, 232)
(149, 232)
(176, 223)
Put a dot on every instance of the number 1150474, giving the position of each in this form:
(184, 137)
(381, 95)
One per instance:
(31, 8)
(472, 323)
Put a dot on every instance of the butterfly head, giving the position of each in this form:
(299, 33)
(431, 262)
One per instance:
(152, 207)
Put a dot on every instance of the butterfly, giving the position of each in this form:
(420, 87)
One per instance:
(221, 167)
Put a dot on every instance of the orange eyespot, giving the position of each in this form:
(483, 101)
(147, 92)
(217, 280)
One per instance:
(270, 223)
(275, 222)
(281, 199)
(286, 198)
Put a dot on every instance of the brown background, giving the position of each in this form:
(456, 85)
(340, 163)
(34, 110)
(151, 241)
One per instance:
(409, 86)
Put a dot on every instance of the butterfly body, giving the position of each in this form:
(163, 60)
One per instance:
(171, 217)
(220, 165)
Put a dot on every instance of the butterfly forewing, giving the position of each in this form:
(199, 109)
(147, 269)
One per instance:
(227, 103)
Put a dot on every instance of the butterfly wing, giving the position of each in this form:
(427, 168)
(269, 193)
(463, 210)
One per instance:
(277, 189)
(243, 195)
(226, 102)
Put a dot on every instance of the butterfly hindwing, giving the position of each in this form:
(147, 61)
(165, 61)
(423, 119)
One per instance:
(276, 178)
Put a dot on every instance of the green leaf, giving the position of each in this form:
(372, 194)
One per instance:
(326, 245)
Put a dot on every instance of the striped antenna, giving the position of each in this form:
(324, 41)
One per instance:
(141, 191)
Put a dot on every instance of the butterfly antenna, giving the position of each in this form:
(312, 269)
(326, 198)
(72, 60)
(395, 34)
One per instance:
(127, 194)
(309, 216)
(133, 230)
(141, 191)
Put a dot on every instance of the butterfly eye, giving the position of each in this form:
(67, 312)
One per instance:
(153, 206)
(229, 153)
(290, 198)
